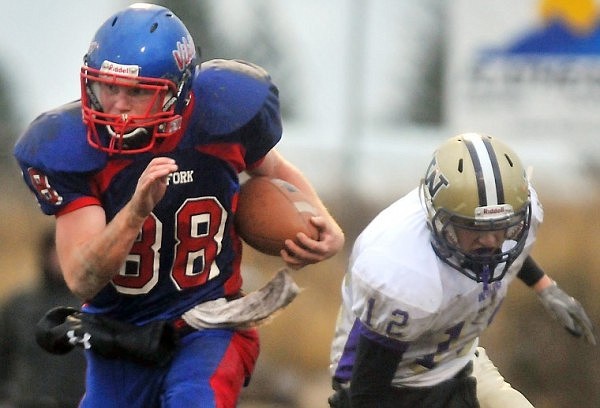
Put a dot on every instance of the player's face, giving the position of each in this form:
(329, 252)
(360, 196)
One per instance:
(471, 241)
(119, 100)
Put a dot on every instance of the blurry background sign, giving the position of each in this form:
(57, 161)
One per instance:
(525, 69)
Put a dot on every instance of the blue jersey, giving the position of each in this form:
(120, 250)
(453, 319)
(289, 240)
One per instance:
(187, 251)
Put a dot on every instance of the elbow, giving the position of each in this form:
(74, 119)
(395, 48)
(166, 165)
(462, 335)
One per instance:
(84, 284)
(81, 292)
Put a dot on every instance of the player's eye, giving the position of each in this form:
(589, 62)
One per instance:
(110, 89)
(136, 92)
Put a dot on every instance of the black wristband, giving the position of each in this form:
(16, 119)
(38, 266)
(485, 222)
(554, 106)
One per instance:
(530, 272)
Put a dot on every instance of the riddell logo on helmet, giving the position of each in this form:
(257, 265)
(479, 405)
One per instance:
(114, 68)
(184, 53)
(493, 211)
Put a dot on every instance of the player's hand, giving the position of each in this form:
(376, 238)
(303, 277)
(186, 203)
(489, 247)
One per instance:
(152, 185)
(568, 312)
(309, 251)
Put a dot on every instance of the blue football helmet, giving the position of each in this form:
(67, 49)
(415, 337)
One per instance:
(145, 49)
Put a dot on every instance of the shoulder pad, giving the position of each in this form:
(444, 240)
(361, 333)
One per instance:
(400, 282)
(57, 141)
(229, 93)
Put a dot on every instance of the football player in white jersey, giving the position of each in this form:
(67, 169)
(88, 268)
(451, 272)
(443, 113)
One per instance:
(428, 274)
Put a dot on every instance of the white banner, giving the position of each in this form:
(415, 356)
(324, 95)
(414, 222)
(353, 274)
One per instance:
(524, 68)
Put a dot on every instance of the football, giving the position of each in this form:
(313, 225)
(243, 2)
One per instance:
(269, 211)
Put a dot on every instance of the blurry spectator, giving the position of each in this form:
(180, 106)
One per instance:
(29, 376)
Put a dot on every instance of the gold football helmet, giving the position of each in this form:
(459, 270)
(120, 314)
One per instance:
(476, 182)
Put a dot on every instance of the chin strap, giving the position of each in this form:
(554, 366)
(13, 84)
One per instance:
(485, 273)
(485, 278)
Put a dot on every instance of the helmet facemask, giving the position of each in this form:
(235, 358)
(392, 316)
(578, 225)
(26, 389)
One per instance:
(128, 133)
(480, 265)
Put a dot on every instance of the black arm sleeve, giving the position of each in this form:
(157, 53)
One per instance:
(530, 272)
(372, 373)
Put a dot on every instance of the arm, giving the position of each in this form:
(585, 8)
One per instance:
(531, 274)
(91, 251)
(331, 236)
(559, 304)
(372, 373)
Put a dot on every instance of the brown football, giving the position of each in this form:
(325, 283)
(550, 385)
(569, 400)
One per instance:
(269, 211)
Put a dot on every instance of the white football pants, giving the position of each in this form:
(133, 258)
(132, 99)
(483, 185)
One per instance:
(492, 390)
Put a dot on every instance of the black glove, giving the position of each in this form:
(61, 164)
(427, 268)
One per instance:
(339, 400)
(51, 330)
(568, 312)
(63, 328)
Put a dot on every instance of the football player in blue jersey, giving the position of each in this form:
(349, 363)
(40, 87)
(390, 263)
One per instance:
(142, 177)
(426, 278)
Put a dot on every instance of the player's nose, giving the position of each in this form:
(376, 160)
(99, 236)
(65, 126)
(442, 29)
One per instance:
(122, 102)
(490, 239)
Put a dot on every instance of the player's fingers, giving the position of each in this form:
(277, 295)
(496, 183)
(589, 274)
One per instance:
(584, 331)
(307, 248)
(161, 160)
(589, 337)
(297, 251)
(303, 254)
(581, 321)
(581, 316)
(331, 236)
(585, 327)
(157, 176)
(291, 261)
(160, 167)
(319, 222)
(306, 242)
(157, 172)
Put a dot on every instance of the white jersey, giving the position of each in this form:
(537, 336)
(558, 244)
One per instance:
(407, 298)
